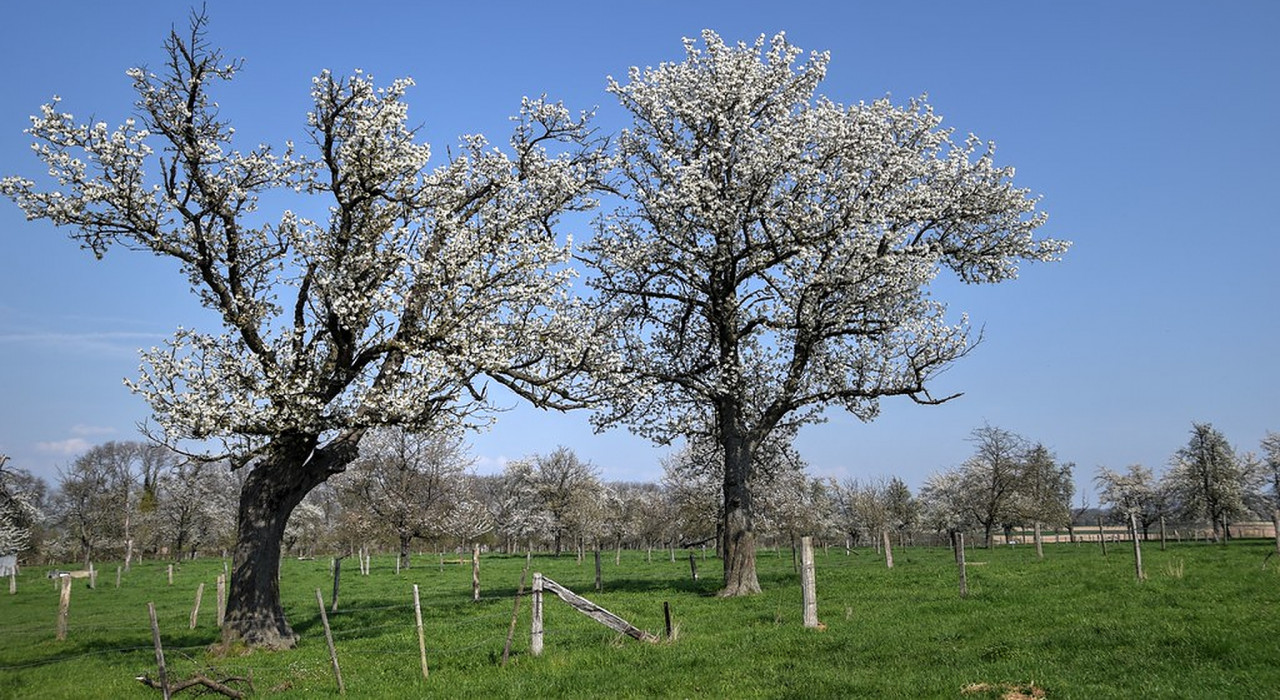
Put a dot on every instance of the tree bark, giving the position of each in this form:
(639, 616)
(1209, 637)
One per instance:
(405, 541)
(271, 491)
(739, 529)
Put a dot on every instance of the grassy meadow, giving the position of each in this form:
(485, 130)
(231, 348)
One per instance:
(1205, 624)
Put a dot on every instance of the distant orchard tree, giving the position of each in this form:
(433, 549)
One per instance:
(1046, 490)
(1271, 477)
(945, 502)
(408, 482)
(775, 250)
(1208, 480)
(20, 497)
(568, 490)
(389, 295)
(992, 479)
(1135, 491)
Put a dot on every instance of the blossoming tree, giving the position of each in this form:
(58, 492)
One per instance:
(776, 249)
(392, 296)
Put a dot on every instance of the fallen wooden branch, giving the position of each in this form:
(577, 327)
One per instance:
(202, 680)
(596, 612)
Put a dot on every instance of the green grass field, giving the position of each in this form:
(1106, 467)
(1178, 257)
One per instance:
(1075, 625)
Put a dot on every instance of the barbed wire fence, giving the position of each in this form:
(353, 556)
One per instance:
(461, 632)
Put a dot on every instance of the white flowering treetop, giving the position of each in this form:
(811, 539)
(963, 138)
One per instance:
(775, 252)
(392, 302)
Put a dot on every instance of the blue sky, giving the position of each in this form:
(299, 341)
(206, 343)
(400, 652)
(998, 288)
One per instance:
(1147, 126)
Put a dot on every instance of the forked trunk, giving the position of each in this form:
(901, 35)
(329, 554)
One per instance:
(739, 528)
(271, 491)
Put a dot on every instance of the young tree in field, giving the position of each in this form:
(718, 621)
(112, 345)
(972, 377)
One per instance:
(945, 502)
(1208, 480)
(903, 509)
(1045, 491)
(567, 488)
(775, 251)
(408, 482)
(195, 506)
(992, 478)
(1136, 491)
(391, 295)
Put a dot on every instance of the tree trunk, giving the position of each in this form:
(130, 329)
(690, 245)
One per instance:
(271, 491)
(739, 528)
(405, 541)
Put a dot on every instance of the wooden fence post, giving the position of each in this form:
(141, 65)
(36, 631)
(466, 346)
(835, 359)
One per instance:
(64, 606)
(422, 640)
(1137, 547)
(599, 579)
(535, 628)
(888, 550)
(328, 638)
(155, 638)
(515, 614)
(475, 572)
(337, 577)
(93, 577)
(666, 617)
(13, 581)
(1039, 535)
(1102, 537)
(964, 576)
(117, 577)
(222, 599)
(195, 610)
(171, 574)
(808, 585)
(693, 565)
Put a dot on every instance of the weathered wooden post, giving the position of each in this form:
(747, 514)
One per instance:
(599, 578)
(328, 638)
(1039, 541)
(171, 574)
(195, 609)
(155, 638)
(1102, 537)
(666, 616)
(222, 599)
(964, 576)
(64, 606)
(13, 582)
(337, 578)
(515, 615)
(535, 628)
(808, 586)
(1137, 547)
(888, 550)
(693, 565)
(93, 577)
(1162, 537)
(117, 577)
(422, 640)
(475, 572)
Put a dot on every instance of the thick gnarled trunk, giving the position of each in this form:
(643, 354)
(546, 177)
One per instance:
(254, 614)
(739, 526)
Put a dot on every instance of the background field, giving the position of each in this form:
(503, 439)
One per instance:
(1074, 625)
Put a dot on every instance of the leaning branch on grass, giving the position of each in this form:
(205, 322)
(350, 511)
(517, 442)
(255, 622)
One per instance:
(199, 680)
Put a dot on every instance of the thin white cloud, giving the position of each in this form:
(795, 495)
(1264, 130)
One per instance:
(89, 430)
(66, 448)
(115, 342)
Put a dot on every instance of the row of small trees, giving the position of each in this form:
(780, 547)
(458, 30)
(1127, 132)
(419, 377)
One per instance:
(1208, 481)
(411, 492)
